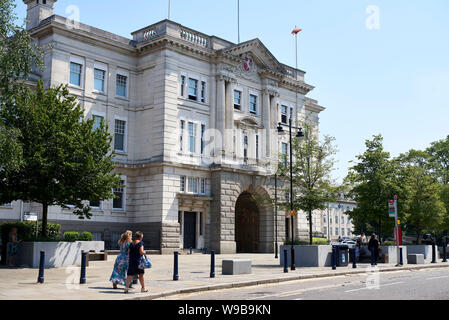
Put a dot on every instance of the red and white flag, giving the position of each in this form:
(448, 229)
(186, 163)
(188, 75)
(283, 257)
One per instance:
(296, 30)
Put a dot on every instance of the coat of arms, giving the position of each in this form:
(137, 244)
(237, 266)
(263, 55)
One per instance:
(247, 63)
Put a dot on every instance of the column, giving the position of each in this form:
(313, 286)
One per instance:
(220, 112)
(266, 122)
(229, 116)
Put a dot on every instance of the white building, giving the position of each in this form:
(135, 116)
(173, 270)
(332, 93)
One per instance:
(164, 93)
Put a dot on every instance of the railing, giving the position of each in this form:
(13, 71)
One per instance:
(149, 34)
(193, 37)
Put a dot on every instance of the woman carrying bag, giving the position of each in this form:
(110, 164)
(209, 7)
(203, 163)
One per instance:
(136, 253)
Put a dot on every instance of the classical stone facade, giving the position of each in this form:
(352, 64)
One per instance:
(194, 122)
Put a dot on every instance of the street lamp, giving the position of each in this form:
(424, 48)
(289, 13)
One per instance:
(276, 213)
(299, 134)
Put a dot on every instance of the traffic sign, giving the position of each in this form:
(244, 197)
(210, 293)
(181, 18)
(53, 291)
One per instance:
(391, 208)
(293, 213)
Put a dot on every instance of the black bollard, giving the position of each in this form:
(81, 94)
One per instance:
(285, 261)
(83, 267)
(175, 269)
(434, 260)
(373, 257)
(444, 249)
(190, 250)
(400, 257)
(334, 258)
(40, 278)
(354, 258)
(212, 264)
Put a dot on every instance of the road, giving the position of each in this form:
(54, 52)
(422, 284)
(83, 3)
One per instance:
(423, 284)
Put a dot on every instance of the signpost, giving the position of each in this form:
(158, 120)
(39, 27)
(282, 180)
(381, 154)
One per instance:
(393, 213)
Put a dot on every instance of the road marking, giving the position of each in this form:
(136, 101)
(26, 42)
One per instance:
(367, 288)
(292, 293)
(298, 299)
(437, 277)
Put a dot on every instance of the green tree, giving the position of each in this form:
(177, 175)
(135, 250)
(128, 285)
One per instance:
(439, 159)
(65, 161)
(312, 165)
(18, 56)
(423, 209)
(373, 181)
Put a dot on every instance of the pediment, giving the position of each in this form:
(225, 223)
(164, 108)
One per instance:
(255, 49)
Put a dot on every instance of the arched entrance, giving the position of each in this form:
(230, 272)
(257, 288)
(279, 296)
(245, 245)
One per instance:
(247, 224)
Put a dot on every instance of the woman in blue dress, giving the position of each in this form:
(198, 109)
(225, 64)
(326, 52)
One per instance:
(121, 262)
(135, 252)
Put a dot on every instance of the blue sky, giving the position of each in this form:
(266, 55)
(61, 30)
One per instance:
(393, 80)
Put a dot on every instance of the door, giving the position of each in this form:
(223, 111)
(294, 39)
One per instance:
(189, 230)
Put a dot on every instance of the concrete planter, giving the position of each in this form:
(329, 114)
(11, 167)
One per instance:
(391, 254)
(57, 254)
(308, 256)
(426, 250)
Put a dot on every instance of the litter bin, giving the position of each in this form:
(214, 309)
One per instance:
(342, 255)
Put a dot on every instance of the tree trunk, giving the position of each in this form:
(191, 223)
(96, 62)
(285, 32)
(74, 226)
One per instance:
(310, 227)
(44, 219)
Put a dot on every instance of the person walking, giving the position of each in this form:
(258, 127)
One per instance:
(12, 245)
(374, 244)
(118, 275)
(136, 251)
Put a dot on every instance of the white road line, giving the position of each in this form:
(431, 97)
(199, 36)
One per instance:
(298, 299)
(437, 277)
(367, 288)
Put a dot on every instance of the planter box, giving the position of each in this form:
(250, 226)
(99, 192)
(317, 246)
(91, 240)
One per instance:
(390, 254)
(308, 256)
(57, 254)
(426, 250)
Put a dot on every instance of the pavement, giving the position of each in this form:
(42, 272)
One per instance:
(194, 276)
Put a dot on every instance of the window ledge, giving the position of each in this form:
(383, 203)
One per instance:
(120, 153)
(122, 98)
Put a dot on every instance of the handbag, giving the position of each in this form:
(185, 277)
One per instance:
(144, 262)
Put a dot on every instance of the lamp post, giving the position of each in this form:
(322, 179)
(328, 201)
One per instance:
(298, 135)
(276, 213)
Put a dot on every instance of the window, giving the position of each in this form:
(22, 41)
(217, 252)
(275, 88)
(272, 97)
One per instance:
(203, 129)
(203, 92)
(324, 218)
(121, 85)
(291, 114)
(183, 84)
(325, 230)
(181, 135)
(193, 185)
(97, 121)
(118, 201)
(203, 186)
(182, 184)
(245, 145)
(237, 99)
(119, 138)
(284, 154)
(348, 221)
(349, 232)
(192, 136)
(342, 231)
(252, 103)
(330, 230)
(336, 219)
(284, 114)
(287, 197)
(193, 89)
(336, 231)
(95, 203)
(342, 220)
(99, 76)
(257, 147)
(5, 204)
(75, 73)
(330, 219)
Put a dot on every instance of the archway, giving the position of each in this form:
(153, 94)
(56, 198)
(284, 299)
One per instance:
(247, 219)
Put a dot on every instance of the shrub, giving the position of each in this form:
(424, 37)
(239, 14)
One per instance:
(388, 243)
(71, 236)
(86, 236)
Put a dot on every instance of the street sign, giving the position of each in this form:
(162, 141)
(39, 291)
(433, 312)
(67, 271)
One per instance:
(399, 222)
(391, 208)
(30, 216)
(293, 213)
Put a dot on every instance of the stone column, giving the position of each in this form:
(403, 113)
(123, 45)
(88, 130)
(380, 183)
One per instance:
(266, 114)
(220, 112)
(229, 117)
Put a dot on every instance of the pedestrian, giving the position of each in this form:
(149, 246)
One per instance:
(374, 244)
(118, 275)
(12, 245)
(363, 238)
(136, 251)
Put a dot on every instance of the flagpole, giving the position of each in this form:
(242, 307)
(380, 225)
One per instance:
(168, 9)
(296, 71)
(238, 20)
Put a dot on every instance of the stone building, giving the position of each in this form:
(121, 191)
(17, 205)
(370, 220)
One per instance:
(194, 122)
